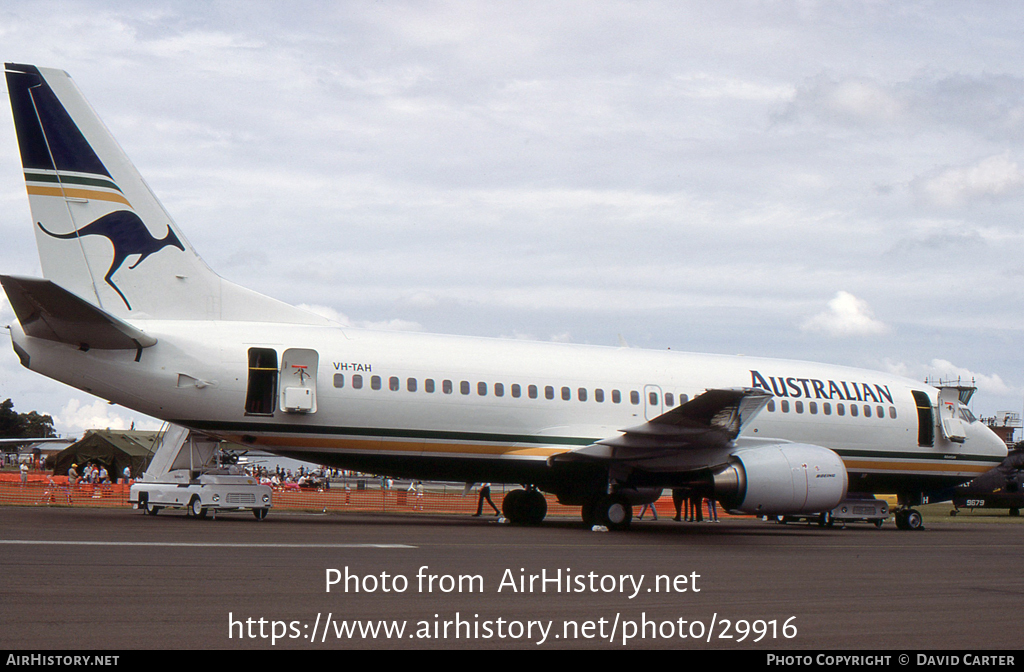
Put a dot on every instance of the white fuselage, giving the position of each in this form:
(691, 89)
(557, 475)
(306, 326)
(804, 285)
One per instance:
(475, 421)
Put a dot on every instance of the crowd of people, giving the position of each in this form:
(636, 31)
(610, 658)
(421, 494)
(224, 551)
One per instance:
(689, 505)
(95, 473)
(278, 478)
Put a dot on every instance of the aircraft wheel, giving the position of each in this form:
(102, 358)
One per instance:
(909, 519)
(525, 507)
(1014, 511)
(615, 512)
(825, 519)
(259, 513)
(510, 505)
(533, 507)
(587, 512)
(151, 510)
(953, 512)
(879, 522)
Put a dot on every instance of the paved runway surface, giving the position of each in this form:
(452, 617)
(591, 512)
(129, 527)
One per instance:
(115, 579)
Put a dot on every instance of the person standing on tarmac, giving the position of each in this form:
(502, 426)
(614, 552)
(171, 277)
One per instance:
(485, 493)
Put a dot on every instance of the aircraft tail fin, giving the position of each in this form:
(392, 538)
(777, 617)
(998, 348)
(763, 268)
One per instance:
(101, 232)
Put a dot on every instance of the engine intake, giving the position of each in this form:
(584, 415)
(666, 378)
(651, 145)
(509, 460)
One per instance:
(780, 479)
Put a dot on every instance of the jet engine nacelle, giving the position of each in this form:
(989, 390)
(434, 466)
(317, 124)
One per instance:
(782, 478)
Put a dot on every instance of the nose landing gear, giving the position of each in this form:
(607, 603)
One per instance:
(909, 519)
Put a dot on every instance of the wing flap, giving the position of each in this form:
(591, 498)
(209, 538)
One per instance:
(48, 311)
(710, 420)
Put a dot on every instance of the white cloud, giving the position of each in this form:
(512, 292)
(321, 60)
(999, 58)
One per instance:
(846, 315)
(941, 369)
(76, 418)
(343, 320)
(858, 100)
(994, 177)
(862, 100)
(328, 312)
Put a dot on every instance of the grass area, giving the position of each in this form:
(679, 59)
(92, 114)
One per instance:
(938, 513)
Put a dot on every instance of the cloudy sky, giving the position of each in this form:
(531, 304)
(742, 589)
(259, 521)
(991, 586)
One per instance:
(833, 181)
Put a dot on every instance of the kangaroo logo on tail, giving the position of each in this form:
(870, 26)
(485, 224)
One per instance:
(128, 235)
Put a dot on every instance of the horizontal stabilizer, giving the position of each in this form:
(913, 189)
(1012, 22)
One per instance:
(48, 311)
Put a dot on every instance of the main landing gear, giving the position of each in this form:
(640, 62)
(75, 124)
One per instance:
(524, 507)
(614, 511)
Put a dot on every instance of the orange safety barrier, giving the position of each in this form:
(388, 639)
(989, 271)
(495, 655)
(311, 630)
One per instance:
(55, 491)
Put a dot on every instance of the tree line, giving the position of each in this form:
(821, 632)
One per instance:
(29, 425)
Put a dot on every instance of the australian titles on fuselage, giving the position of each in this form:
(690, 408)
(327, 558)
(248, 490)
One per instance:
(782, 386)
(602, 427)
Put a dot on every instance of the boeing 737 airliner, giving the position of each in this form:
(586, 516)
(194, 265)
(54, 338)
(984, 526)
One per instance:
(128, 311)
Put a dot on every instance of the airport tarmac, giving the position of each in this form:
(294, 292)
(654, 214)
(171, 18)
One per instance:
(115, 579)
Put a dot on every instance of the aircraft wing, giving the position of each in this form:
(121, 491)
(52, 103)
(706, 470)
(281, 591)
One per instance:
(48, 311)
(710, 420)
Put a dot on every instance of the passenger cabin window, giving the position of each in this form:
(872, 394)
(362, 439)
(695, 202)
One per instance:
(785, 406)
(499, 390)
(853, 410)
(566, 394)
(827, 407)
(840, 409)
(812, 406)
(357, 381)
(581, 394)
(261, 390)
(549, 392)
(410, 384)
(616, 397)
(634, 397)
(516, 390)
(670, 399)
(393, 384)
(532, 390)
(464, 387)
(599, 395)
(446, 386)
(652, 398)
(799, 406)
(374, 382)
(481, 389)
(771, 406)
(428, 385)
(339, 380)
